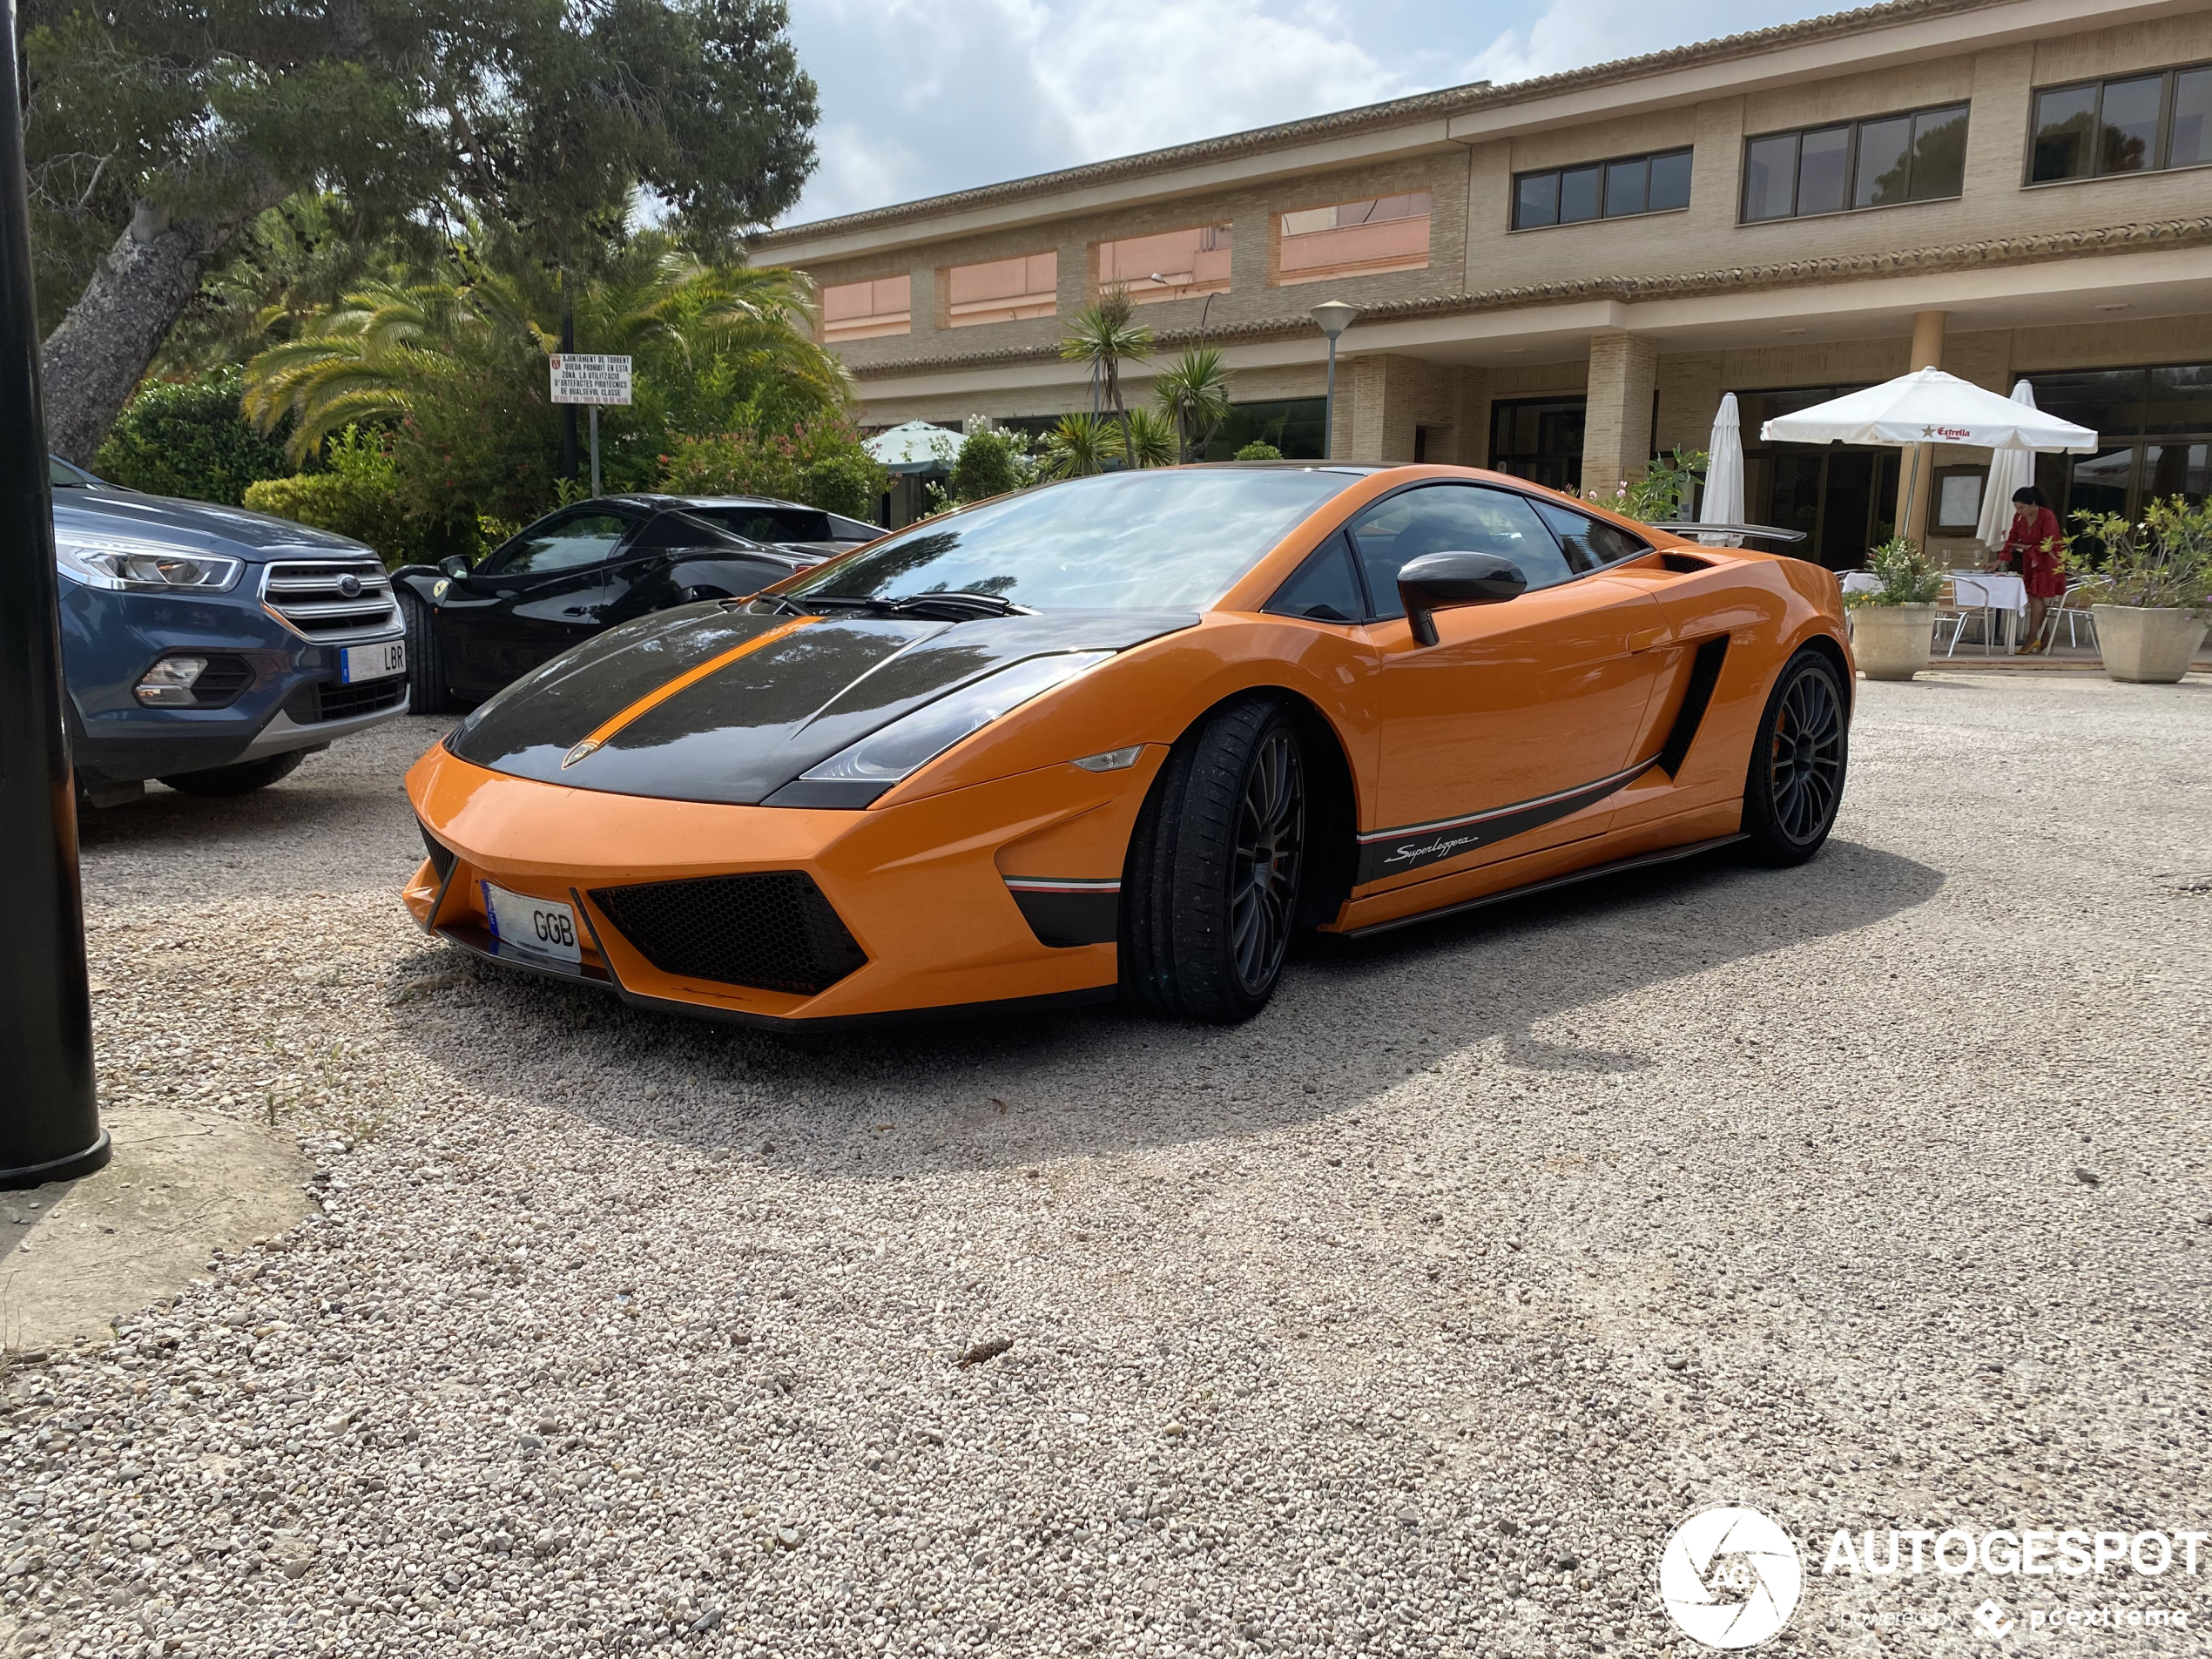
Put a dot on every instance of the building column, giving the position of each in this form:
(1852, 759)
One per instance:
(1916, 478)
(1616, 431)
(1382, 401)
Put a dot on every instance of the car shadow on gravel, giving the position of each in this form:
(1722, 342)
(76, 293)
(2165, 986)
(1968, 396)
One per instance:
(1351, 1021)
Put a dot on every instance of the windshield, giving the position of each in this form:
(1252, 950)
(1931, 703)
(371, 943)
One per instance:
(62, 476)
(1122, 540)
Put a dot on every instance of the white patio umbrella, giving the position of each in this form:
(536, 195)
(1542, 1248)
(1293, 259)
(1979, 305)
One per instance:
(1723, 502)
(1929, 407)
(2009, 470)
(916, 447)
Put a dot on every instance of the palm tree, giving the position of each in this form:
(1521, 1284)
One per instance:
(737, 337)
(1152, 439)
(1104, 334)
(1074, 448)
(1194, 392)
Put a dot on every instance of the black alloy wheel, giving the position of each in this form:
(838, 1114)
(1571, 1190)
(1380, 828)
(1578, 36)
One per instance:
(426, 660)
(1210, 894)
(1798, 762)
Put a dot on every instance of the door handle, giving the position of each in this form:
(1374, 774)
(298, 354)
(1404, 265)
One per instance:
(1645, 638)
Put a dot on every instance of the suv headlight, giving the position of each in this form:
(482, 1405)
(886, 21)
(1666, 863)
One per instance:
(126, 563)
(899, 749)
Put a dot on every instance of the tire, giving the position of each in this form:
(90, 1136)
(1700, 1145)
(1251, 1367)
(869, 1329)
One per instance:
(242, 779)
(1210, 892)
(1798, 762)
(425, 661)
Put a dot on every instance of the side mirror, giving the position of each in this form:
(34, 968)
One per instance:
(454, 565)
(1441, 581)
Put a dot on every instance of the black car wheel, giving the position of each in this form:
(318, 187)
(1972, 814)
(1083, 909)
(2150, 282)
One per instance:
(426, 662)
(1798, 761)
(1210, 892)
(241, 778)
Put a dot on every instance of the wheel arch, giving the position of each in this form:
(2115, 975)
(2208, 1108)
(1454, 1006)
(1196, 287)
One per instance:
(1333, 801)
(1820, 640)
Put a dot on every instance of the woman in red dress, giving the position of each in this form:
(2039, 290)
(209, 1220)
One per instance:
(2031, 552)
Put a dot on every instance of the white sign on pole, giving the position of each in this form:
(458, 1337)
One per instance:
(582, 377)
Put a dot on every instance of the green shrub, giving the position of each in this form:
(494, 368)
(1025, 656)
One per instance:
(358, 495)
(823, 464)
(188, 438)
(989, 463)
(1257, 449)
(1661, 494)
(1906, 575)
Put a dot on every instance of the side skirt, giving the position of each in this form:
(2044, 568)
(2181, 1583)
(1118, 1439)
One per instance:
(1666, 855)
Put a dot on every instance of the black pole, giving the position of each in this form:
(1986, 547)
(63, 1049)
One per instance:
(50, 1120)
(567, 410)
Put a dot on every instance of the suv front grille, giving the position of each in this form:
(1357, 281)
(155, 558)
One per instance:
(774, 931)
(323, 700)
(312, 594)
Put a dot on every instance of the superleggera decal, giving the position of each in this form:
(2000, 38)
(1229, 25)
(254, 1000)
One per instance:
(1394, 852)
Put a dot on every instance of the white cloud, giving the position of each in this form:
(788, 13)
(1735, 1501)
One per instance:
(923, 97)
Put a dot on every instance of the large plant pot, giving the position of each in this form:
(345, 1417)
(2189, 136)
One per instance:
(2145, 646)
(1892, 642)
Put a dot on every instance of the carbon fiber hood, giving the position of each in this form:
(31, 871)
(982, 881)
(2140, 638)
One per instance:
(719, 704)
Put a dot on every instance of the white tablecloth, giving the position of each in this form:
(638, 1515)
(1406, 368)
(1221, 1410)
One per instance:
(1999, 592)
(1861, 582)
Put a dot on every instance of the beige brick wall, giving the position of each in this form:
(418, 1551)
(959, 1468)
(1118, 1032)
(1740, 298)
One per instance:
(1616, 433)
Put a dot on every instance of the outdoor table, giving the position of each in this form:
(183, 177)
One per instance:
(1861, 582)
(1978, 589)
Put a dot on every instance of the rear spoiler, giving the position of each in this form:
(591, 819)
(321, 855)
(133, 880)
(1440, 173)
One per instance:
(1757, 532)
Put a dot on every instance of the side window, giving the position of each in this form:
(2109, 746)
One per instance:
(567, 543)
(1589, 543)
(682, 530)
(1326, 587)
(1453, 518)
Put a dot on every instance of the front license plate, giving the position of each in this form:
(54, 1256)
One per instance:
(379, 662)
(541, 927)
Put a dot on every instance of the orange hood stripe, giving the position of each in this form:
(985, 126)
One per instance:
(692, 676)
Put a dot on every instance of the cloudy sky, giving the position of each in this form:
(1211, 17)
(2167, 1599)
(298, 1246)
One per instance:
(924, 95)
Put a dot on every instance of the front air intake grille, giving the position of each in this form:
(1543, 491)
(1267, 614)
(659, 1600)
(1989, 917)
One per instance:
(443, 858)
(319, 700)
(331, 599)
(774, 931)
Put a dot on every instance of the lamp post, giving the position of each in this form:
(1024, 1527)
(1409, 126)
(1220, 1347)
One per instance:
(1334, 316)
(50, 1123)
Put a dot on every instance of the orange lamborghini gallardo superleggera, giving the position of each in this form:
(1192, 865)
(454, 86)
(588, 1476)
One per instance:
(1132, 733)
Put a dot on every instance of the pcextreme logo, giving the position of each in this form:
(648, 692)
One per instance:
(1729, 1577)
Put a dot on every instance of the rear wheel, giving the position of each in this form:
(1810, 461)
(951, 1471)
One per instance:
(425, 661)
(241, 779)
(1211, 888)
(1796, 781)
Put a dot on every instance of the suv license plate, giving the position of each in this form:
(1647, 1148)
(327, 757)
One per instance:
(378, 661)
(540, 926)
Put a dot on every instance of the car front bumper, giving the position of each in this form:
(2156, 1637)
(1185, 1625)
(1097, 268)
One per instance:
(939, 893)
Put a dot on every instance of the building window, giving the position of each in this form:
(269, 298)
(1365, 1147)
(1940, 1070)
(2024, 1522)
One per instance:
(865, 310)
(1916, 157)
(1003, 290)
(2133, 123)
(1385, 234)
(1539, 439)
(1652, 184)
(1169, 265)
(2155, 439)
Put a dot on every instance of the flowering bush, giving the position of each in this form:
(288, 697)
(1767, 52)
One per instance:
(1661, 494)
(1906, 575)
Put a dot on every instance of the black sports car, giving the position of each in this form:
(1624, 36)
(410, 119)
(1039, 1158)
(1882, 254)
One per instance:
(471, 630)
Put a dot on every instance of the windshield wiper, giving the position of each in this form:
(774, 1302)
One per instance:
(939, 607)
(961, 603)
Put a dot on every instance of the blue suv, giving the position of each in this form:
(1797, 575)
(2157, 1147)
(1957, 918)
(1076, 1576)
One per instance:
(210, 647)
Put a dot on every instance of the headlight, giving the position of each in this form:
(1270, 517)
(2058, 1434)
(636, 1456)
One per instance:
(126, 563)
(897, 750)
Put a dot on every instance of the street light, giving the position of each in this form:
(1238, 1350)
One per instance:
(1334, 316)
(49, 1127)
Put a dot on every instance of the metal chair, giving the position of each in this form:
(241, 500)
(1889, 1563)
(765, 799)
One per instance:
(2075, 613)
(1956, 615)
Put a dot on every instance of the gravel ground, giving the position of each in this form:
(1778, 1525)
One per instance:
(1408, 1318)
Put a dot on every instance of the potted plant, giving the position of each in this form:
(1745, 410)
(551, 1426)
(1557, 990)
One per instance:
(1892, 627)
(2152, 595)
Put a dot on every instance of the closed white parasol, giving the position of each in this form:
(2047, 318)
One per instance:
(1724, 502)
(2009, 470)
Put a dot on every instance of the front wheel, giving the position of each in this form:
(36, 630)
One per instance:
(425, 661)
(1799, 760)
(1210, 890)
(242, 777)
